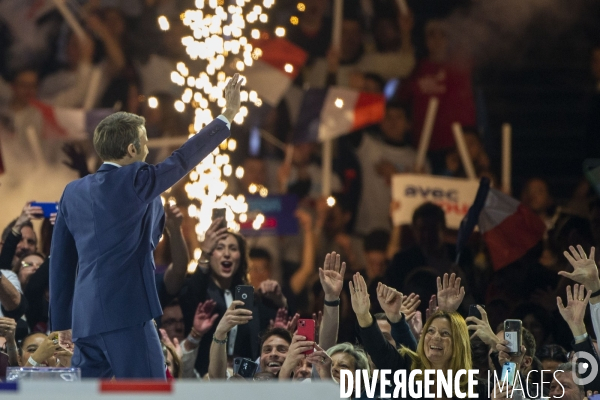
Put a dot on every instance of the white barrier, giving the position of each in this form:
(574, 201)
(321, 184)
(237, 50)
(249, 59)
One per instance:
(188, 390)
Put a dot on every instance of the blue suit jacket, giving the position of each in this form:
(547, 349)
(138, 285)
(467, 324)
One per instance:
(108, 224)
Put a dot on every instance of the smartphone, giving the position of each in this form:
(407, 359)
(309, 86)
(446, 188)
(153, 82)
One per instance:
(47, 208)
(236, 364)
(509, 371)
(220, 213)
(306, 328)
(594, 397)
(245, 293)
(512, 334)
(474, 311)
(247, 368)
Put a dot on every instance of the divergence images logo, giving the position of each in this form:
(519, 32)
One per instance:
(588, 367)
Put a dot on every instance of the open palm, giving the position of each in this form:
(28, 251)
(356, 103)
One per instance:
(585, 271)
(450, 294)
(332, 275)
(390, 301)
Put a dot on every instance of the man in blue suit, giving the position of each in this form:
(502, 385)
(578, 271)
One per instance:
(102, 291)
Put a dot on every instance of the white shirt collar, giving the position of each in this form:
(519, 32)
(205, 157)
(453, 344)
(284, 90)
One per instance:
(112, 163)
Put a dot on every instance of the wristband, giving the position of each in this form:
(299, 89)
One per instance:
(193, 340)
(32, 362)
(580, 337)
(217, 341)
(596, 293)
(334, 303)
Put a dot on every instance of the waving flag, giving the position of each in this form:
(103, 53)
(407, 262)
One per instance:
(279, 64)
(336, 111)
(509, 228)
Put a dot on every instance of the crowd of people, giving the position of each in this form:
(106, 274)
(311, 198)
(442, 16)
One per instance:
(381, 296)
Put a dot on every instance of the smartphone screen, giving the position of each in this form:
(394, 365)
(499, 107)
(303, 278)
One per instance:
(245, 293)
(306, 328)
(47, 208)
(219, 213)
(512, 334)
(509, 370)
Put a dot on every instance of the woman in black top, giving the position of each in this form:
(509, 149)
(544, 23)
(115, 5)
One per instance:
(444, 344)
(223, 266)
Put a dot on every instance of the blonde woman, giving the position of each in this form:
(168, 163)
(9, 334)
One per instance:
(443, 345)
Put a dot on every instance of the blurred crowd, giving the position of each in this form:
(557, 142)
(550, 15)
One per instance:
(371, 287)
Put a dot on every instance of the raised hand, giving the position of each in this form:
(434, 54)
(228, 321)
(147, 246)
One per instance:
(173, 343)
(281, 319)
(332, 276)
(232, 97)
(8, 326)
(482, 328)
(416, 325)
(174, 218)
(574, 312)
(203, 320)
(585, 271)
(359, 296)
(232, 317)
(295, 354)
(271, 290)
(410, 304)
(390, 301)
(27, 214)
(449, 293)
(212, 236)
(321, 361)
(433, 307)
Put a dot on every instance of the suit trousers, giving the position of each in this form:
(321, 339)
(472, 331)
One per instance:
(134, 352)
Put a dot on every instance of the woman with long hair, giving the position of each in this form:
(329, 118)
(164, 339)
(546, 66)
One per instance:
(223, 265)
(443, 346)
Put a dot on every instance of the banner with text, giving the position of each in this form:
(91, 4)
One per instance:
(454, 195)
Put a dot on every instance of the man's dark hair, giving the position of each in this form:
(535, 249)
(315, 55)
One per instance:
(259, 252)
(115, 133)
(427, 210)
(552, 352)
(173, 303)
(376, 240)
(279, 332)
(9, 227)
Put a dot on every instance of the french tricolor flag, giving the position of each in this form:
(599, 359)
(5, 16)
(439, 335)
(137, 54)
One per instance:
(333, 112)
(509, 228)
(279, 64)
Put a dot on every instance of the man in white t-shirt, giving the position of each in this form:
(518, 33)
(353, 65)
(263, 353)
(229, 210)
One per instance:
(381, 155)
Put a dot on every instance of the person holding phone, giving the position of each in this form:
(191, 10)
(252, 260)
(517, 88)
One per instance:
(222, 269)
(102, 286)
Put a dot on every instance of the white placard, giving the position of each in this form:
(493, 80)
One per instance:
(454, 195)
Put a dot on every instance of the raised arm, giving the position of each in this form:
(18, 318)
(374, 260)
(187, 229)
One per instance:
(383, 354)
(332, 281)
(217, 367)
(175, 273)
(152, 180)
(302, 276)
